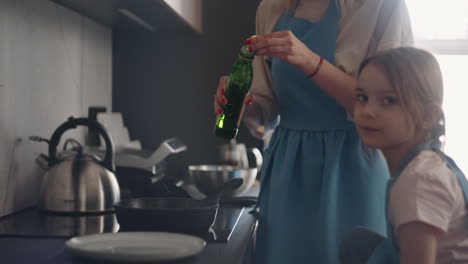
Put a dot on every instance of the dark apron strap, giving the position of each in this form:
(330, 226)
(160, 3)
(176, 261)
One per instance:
(428, 145)
(462, 181)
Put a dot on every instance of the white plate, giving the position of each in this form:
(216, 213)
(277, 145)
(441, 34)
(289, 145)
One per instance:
(136, 246)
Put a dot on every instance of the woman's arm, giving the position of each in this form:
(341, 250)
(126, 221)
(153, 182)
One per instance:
(285, 46)
(336, 83)
(418, 243)
(261, 117)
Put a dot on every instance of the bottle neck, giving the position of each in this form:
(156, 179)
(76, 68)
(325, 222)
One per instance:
(245, 58)
(245, 54)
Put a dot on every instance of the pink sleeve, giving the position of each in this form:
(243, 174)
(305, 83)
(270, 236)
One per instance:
(426, 195)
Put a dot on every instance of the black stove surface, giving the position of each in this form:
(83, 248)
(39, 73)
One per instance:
(35, 224)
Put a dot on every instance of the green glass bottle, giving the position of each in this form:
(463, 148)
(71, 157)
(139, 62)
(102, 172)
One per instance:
(238, 85)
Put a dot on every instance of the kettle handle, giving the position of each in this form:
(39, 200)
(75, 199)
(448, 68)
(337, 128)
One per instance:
(72, 122)
(258, 157)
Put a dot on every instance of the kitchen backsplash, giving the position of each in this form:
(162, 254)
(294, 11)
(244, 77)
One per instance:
(54, 64)
(163, 84)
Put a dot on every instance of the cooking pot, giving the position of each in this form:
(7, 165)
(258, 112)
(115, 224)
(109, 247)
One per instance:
(77, 182)
(181, 215)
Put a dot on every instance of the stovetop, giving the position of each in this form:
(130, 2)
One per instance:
(32, 223)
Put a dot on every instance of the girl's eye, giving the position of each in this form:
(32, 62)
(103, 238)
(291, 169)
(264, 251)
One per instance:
(361, 98)
(389, 100)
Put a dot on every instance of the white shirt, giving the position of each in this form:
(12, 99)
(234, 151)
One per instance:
(428, 191)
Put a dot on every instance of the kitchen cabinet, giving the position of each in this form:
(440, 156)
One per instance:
(168, 16)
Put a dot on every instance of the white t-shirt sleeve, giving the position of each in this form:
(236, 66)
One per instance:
(425, 192)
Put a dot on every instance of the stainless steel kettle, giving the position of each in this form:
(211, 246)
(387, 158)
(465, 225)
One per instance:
(78, 182)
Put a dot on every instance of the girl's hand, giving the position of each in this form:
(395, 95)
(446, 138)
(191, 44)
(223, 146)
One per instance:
(221, 100)
(285, 46)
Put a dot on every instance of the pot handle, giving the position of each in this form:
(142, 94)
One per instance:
(72, 122)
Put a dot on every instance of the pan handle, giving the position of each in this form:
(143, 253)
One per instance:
(249, 256)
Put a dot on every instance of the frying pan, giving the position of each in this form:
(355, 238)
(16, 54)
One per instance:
(181, 215)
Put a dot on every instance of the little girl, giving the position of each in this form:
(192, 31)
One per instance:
(398, 111)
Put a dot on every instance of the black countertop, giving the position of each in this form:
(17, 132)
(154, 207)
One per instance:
(51, 250)
(18, 250)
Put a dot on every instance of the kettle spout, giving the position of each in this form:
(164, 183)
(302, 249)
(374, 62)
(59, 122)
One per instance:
(43, 161)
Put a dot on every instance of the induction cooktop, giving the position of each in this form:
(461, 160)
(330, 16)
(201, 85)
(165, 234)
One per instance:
(35, 224)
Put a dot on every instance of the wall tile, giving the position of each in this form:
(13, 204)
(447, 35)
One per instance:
(97, 65)
(44, 57)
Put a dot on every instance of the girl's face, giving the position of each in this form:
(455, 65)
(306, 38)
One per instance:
(381, 119)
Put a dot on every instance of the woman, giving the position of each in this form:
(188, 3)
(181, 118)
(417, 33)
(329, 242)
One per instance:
(317, 181)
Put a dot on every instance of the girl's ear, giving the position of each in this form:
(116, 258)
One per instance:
(432, 115)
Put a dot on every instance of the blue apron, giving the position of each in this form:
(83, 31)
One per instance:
(317, 181)
(362, 245)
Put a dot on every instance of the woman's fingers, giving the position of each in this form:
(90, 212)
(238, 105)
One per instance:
(221, 90)
(272, 35)
(222, 85)
(283, 45)
(216, 107)
(279, 34)
(248, 99)
(220, 99)
(268, 43)
(275, 39)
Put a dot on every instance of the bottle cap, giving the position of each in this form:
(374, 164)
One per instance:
(245, 53)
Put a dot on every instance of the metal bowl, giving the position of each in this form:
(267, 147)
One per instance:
(210, 178)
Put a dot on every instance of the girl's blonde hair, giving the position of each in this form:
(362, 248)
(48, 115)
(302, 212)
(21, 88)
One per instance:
(417, 79)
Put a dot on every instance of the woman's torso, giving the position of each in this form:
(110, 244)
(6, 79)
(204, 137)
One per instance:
(302, 104)
(316, 181)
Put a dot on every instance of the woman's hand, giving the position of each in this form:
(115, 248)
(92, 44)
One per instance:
(285, 46)
(221, 100)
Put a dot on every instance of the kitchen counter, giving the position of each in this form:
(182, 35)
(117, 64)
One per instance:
(51, 250)
(19, 249)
